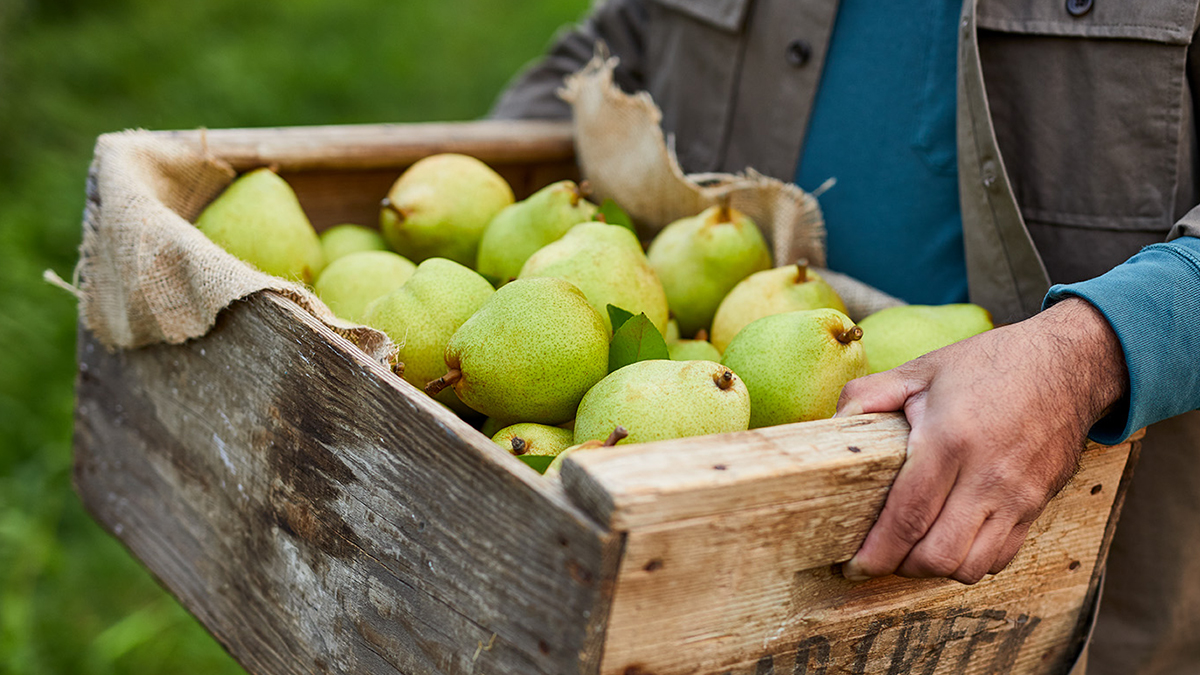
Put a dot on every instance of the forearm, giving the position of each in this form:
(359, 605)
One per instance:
(620, 24)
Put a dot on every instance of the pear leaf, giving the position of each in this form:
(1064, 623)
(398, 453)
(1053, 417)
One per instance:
(615, 215)
(636, 340)
(538, 463)
(618, 316)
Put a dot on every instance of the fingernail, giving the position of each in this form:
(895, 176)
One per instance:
(850, 409)
(853, 572)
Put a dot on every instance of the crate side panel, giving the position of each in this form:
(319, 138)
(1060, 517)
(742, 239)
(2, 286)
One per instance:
(757, 590)
(316, 517)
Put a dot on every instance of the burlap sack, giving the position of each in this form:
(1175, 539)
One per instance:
(624, 155)
(146, 275)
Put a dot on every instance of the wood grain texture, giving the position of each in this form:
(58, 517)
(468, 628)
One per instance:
(319, 515)
(383, 146)
(732, 545)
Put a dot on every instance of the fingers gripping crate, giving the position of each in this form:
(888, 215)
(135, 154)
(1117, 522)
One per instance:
(320, 515)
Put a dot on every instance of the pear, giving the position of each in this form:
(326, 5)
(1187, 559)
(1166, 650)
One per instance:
(520, 230)
(774, 291)
(439, 207)
(795, 364)
(259, 220)
(899, 334)
(699, 349)
(348, 238)
(530, 353)
(671, 334)
(555, 466)
(491, 425)
(700, 259)
(423, 314)
(534, 444)
(354, 281)
(658, 399)
(606, 263)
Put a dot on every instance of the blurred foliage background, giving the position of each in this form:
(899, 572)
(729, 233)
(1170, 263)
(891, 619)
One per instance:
(72, 600)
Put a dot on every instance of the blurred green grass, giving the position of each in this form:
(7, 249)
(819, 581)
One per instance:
(72, 600)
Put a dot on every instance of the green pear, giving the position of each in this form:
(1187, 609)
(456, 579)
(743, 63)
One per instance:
(774, 291)
(534, 444)
(423, 314)
(699, 349)
(259, 220)
(615, 437)
(350, 283)
(795, 364)
(491, 425)
(439, 207)
(658, 399)
(700, 259)
(520, 230)
(606, 263)
(900, 334)
(671, 334)
(530, 353)
(348, 238)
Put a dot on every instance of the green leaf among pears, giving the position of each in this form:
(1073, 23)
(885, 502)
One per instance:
(636, 340)
(615, 215)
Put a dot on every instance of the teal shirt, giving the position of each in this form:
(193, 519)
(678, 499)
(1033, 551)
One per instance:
(883, 125)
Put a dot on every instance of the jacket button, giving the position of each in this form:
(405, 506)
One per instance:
(798, 53)
(1079, 7)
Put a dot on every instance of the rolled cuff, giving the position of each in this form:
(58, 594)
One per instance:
(1152, 302)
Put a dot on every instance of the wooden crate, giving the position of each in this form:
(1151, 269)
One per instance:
(320, 515)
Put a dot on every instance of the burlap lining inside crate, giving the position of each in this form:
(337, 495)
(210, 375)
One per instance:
(146, 275)
(624, 155)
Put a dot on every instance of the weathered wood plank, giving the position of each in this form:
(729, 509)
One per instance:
(731, 545)
(376, 146)
(318, 514)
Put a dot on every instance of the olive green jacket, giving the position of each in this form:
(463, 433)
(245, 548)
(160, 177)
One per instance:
(1077, 145)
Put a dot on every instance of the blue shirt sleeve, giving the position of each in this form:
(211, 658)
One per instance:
(1152, 302)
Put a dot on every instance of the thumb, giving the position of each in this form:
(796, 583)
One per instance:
(888, 391)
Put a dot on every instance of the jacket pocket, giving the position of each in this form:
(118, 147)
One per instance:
(693, 49)
(1092, 108)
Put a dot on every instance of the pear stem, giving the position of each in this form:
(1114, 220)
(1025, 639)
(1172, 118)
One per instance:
(519, 445)
(724, 379)
(601, 218)
(615, 437)
(387, 204)
(723, 213)
(398, 368)
(802, 270)
(434, 388)
(850, 335)
(702, 335)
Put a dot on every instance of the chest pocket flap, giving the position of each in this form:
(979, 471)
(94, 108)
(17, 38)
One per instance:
(728, 15)
(1169, 21)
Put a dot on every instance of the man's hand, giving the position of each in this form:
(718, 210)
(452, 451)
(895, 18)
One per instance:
(998, 423)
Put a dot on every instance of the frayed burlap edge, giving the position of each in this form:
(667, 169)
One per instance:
(146, 275)
(624, 155)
